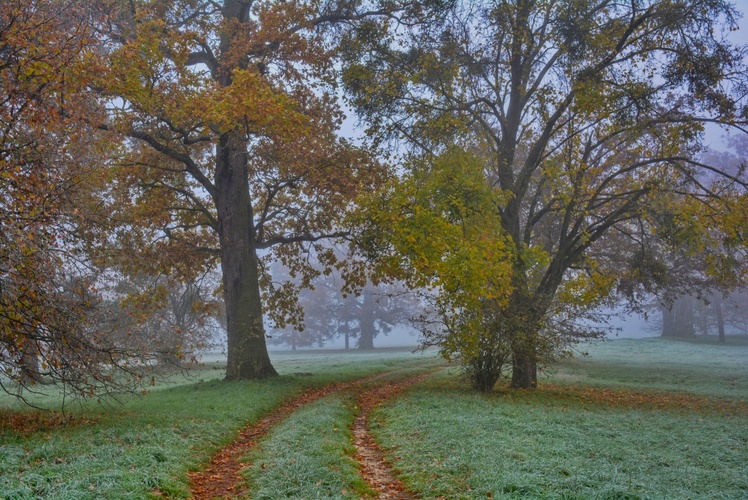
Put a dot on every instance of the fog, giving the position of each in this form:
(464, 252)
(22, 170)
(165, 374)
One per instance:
(632, 326)
(398, 337)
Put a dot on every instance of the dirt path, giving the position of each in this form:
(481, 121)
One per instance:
(374, 469)
(222, 478)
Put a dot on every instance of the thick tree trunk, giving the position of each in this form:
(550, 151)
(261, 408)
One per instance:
(247, 352)
(524, 320)
(524, 371)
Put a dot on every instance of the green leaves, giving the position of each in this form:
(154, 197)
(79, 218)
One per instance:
(438, 230)
(585, 113)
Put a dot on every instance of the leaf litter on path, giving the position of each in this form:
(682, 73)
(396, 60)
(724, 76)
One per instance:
(222, 477)
(374, 468)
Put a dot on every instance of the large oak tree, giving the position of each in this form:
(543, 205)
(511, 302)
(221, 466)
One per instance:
(588, 119)
(228, 115)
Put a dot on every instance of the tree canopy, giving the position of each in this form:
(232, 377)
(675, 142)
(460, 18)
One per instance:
(548, 156)
(588, 119)
(52, 325)
(228, 115)
(207, 135)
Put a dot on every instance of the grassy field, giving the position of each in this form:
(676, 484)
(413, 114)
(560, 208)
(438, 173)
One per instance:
(150, 443)
(309, 456)
(633, 419)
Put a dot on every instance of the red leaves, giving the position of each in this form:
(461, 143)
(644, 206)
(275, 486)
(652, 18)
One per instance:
(29, 422)
(625, 398)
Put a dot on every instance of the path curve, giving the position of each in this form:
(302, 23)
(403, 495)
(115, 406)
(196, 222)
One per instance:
(222, 477)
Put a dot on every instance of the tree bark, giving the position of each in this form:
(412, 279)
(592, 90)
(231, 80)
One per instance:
(524, 319)
(524, 371)
(247, 351)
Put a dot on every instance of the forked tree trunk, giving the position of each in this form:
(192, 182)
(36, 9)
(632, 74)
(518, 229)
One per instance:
(247, 351)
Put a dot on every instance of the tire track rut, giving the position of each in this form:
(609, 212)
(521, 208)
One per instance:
(375, 470)
(222, 477)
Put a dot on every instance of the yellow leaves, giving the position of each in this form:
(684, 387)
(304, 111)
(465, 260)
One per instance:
(250, 100)
(714, 233)
(442, 231)
(150, 74)
(149, 70)
(143, 302)
(587, 288)
(735, 220)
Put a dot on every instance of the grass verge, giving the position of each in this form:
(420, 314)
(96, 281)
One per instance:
(698, 366)
(309, 455)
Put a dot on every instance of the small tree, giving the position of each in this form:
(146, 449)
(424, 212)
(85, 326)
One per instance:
(436, 230)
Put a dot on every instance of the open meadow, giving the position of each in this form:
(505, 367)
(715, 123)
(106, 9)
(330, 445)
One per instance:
(500, 176)
(644, 418)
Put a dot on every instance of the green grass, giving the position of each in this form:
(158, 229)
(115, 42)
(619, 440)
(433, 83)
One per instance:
(634, 419)
(605, 426)
(324, 366)
(309, 455)
(698, 366)
(150, 443)
(147, 444)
